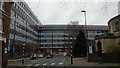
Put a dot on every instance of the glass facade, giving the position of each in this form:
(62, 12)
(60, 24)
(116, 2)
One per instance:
(55, 38)
(52, 38)
(20, 29)
(23, 27)
(59, 39)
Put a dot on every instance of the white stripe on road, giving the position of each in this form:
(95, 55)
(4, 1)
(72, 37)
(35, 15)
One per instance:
(18, 59)
(37, 64)
(45, 64)
(52, 63)
(29, 65)
(60, 63)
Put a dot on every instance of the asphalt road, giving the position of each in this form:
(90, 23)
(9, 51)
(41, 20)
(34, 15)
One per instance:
(55, 61)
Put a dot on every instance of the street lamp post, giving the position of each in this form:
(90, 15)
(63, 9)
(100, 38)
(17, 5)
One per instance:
(86, 33)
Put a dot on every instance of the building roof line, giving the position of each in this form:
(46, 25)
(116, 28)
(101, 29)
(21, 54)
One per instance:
(113, 18)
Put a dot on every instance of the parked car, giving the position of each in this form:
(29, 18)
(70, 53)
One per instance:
(40, 56)
(49, 56)
(64, 54)
(33, 56)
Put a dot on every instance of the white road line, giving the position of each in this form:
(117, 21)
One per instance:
(45, 64)
(52, 63)
(63, 61)
(19, 59)
(29, 65)
(60, 63)
(37, 64)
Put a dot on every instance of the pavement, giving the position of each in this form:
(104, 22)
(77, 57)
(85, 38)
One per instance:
(57, 61)
(84, 62)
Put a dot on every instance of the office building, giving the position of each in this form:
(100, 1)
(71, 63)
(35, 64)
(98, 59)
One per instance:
(19, 26)
(56, 37)
(23, 30)
(18, 29)
(52, 36)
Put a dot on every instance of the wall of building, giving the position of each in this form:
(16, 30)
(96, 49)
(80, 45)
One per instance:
(92, 34)
(107, 47)
(1, 31)
(24, 28)
(20, 26)
(118, 41)
(114, 25)
(111, 45)
(0, 52)
(0, 39)
(51, 38)
(4, 30)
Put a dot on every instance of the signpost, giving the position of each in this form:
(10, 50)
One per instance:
(90, 49)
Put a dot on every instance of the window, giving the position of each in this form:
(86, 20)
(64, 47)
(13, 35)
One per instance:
(116, 26)
(3, 6)
(14, 4)
(1, 24)
(0, 5)
(12, 14)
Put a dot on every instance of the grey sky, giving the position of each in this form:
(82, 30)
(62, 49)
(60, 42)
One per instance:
(64, 11)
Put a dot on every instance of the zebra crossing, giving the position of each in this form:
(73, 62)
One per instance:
(46, 64)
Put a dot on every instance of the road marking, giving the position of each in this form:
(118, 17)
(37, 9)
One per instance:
(19, 59)
(64, 60)
(45, 64)
(29, 65)
(60, 63)
(14, 59)
(37, 64)
(52, 63)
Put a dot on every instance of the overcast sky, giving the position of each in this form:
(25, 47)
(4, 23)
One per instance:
(63, 11)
